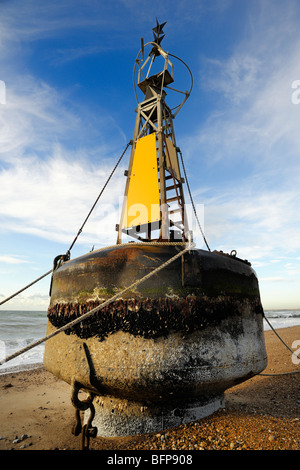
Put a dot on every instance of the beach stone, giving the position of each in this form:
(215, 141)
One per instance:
(8, 385)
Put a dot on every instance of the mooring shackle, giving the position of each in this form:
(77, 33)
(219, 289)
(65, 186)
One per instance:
(88, 430)
(77, 427)
(81, 405)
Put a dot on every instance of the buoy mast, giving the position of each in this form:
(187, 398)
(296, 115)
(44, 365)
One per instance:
(154, 206)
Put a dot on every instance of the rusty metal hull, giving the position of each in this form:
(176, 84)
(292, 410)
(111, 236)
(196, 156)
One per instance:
(176, 343)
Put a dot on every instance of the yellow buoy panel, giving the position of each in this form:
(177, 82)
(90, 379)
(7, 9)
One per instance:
(142, 204)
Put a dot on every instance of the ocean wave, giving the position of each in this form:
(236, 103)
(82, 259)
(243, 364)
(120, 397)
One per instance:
(26, 359)
(282, 314)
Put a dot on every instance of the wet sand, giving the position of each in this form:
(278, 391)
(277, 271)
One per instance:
(261, 414)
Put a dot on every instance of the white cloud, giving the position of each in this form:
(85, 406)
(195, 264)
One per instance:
(46, 188)
(33, 118)
(253, 134)
(27, 21)
(22, 23)
(234, 78)
(264, 128)
(27, 302)
(254, 115)
(274, 279)
(52, 198)
(259, 223)
(12, 259)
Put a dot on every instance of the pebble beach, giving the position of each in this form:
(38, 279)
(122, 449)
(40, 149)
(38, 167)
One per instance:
(262, 413)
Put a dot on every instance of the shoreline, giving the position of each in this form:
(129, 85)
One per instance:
(29, 366)
(21, 368)
(260, 414)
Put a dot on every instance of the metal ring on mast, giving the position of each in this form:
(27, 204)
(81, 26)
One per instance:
(165, 55)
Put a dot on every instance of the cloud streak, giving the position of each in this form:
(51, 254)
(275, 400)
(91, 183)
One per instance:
(253, 133)
(48, 181)
(255, 126)
(51, 198)
(12, 259)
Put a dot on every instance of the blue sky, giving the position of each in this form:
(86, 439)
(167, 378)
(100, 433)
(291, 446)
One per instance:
(67, 112)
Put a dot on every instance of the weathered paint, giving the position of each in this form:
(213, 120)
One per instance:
(102, 273)
(177, 342)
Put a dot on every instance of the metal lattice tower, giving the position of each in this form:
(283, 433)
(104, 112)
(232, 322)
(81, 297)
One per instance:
(154, 205)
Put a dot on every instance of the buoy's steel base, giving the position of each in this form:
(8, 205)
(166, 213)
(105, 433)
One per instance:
(165, 353)
(115, 417)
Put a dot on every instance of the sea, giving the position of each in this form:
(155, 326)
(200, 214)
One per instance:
(21, 328)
